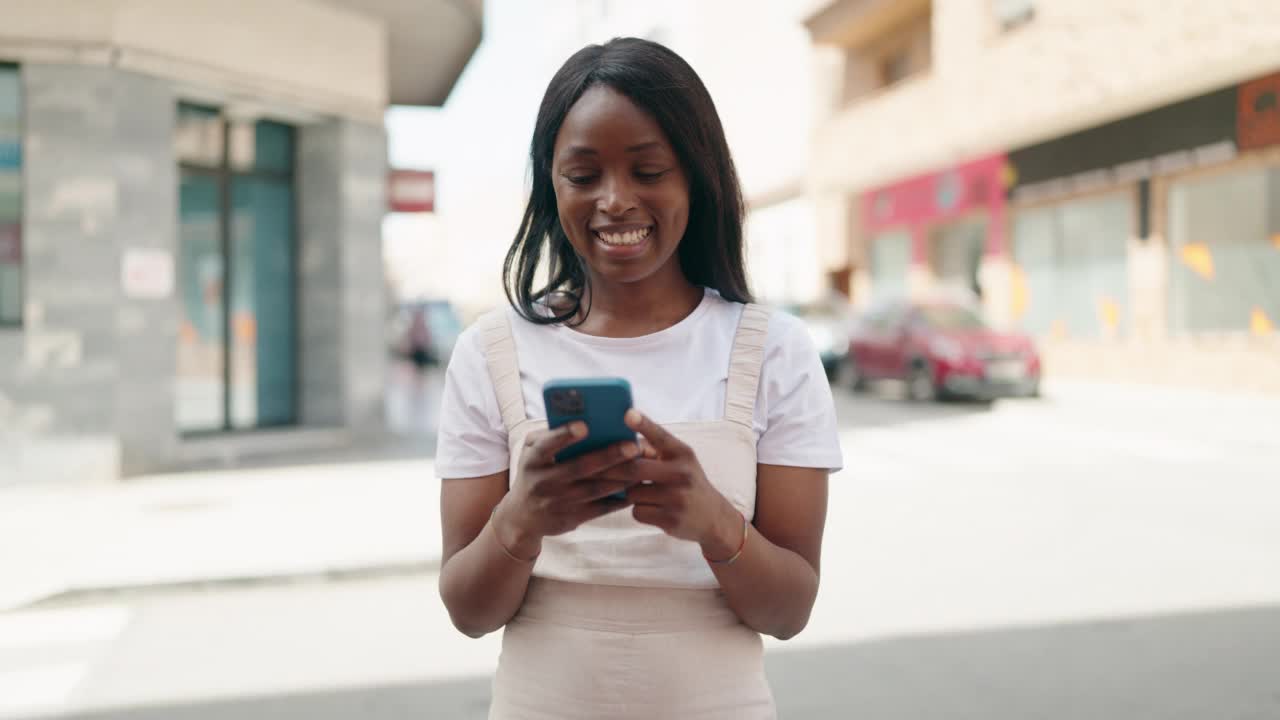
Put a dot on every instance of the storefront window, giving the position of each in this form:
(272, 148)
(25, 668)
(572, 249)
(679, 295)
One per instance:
(890, 264)
(955, 254)
(1071, 267)
(1224, 241)
(237, 344)
(10, 196)
(201, 338)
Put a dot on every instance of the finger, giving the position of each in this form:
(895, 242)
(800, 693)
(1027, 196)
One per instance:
(651, 515)
(596, 462)
(647, 449)
(599, 508)
(643, 469)
(664, 442)
(597, 488)
(543, 445)
(648, 494)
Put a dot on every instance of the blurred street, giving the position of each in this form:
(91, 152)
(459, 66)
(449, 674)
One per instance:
(1107, 551)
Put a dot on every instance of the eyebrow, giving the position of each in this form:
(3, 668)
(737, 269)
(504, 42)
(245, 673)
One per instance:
(575, 150)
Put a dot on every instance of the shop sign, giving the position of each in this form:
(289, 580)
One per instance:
(1258, 113)
(146, 273)
(411, 191)
(937, 196)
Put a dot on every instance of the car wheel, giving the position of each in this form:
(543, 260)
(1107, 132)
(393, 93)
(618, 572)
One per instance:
(850, 376)
(920, 386)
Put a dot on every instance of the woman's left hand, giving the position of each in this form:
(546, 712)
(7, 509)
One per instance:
(674, 493)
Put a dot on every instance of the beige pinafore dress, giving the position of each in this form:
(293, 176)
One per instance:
(620, 620)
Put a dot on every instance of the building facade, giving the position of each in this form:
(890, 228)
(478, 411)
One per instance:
(1103, 175)
(191, 197)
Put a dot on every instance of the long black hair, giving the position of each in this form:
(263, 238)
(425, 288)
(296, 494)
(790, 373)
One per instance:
(662, 84)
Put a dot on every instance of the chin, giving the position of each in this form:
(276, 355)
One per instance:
(629, 273)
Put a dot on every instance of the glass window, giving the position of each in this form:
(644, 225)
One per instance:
(10, 196)
(198, 136)
(262, 302)
(1071, 267)
(955, 254)
(1224, 241)
(262, 146)
(273, 147)
(201, 328)
(890, 264)
(237, 343)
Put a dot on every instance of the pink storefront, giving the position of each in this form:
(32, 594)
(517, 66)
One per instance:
(942, 223)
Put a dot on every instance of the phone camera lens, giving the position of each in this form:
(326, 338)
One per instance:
(567, 402)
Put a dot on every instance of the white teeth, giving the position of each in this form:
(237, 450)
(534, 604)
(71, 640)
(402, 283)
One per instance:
(631, 237)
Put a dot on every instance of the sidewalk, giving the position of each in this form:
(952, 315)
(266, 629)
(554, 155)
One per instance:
(306, 518)
(378, 510)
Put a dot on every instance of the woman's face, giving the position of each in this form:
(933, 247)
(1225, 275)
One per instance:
(621, 192)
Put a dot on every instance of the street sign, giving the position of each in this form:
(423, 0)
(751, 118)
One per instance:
(147, 273)
(411, 191)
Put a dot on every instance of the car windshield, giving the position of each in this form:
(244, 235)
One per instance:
(951, 317)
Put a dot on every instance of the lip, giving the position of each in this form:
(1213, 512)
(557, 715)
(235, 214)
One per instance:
(622, 252)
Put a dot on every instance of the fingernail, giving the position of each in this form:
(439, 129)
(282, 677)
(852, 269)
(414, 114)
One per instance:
(633, 416)
(578, 429)
(629, 451)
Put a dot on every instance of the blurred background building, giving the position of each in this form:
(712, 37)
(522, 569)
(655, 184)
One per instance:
(191, 198)
(196, 254)
(1104, 175)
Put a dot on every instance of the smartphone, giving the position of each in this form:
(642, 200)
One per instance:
(599, 402)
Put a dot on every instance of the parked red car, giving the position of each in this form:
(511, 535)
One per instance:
(940, 349)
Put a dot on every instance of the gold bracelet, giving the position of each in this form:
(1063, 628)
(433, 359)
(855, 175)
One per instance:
(746, 526)
(498, 540)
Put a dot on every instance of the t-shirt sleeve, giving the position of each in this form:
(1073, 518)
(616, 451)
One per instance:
(795, 413)
(471, 440)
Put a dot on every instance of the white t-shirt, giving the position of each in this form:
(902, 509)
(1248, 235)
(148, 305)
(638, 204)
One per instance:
(677, 375)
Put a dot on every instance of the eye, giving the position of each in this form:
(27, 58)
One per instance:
(578, 178)
(651, 176)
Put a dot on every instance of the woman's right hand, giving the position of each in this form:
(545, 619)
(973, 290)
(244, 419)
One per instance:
(551, 498)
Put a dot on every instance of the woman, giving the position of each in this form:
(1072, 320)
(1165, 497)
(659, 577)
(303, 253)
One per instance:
(649, 604)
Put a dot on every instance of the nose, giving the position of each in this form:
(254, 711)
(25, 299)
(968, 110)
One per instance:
(616, 196)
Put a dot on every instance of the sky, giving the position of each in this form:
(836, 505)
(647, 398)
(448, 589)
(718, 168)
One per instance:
(478, 146)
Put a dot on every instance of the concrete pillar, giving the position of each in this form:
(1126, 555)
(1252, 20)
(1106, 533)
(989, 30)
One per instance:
(342, 193)
(146, 227)
(86, 382)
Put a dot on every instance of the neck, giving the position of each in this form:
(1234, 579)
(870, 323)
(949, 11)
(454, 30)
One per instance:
(639, 308)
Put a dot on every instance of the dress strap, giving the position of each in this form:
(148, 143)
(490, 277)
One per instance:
(744, 365)
(504, 370)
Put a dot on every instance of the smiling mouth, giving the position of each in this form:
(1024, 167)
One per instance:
(622, 239)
